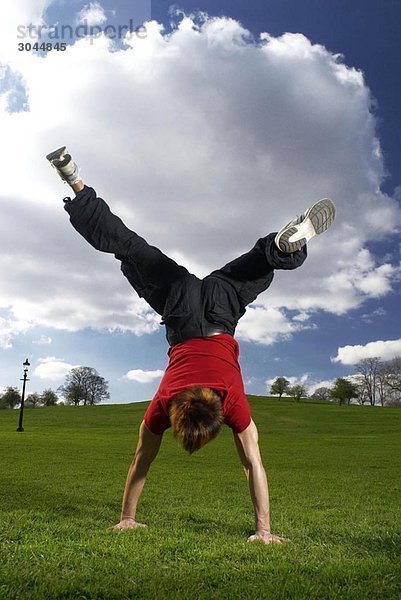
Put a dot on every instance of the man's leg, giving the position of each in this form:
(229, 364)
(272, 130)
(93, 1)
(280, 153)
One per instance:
(148, 270)
(252, 273)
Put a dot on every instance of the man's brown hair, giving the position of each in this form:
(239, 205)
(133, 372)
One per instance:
(196, 416)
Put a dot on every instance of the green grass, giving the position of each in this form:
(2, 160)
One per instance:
(334, 475)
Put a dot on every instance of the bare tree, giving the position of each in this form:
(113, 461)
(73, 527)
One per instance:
(393, 380)
(74, 387)
(393, 399)
(382, 387)
(362, 396)
(367, 370)
(322, 393)
(73, 393)
(84, 384)
(98, 389)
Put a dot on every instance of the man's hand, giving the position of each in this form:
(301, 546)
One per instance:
(129, 524)
(267, 538)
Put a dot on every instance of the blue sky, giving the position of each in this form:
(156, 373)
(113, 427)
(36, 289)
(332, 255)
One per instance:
(142, 128)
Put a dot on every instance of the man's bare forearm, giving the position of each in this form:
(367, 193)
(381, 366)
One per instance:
(133, 488)
(146, 451)
(248, 450)
(259, 491)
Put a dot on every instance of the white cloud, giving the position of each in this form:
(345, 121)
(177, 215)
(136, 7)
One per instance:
(52, 368)
(213, 146)
(143, 376)
(383, 349)
(92, 14)
(18, 13)
(369, 317)
(9, 328)
(314, 385)
(43, 340)
(265, 325)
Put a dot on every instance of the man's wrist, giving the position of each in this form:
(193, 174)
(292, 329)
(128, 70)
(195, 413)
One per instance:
(126, 517)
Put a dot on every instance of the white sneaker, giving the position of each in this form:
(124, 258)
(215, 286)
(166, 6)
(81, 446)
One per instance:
(64, 165)
(298, 232)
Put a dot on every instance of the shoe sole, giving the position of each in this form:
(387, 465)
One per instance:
(59, 159)
(321, 215)
(56, 155)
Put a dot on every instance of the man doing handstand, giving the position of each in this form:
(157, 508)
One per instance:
(202, 387)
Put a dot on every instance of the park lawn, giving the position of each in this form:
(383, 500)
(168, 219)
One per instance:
(334, 476)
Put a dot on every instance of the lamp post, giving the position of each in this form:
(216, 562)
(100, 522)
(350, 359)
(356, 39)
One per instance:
(26, 365)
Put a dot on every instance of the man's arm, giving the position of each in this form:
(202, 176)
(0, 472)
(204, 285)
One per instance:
(248, 450)
(146, 451)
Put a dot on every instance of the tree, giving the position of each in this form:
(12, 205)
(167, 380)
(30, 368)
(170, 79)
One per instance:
(73, 393)
(362, 396)
(394, 374)
(11, 397)
(280, 386)
(322, 393)
(393, 399)
(73, 388)
(344, 390)
(84, 384)
(367, 370)
(389, 378)
(32, 400)
(98, 390)
(382, 382)
(298, 392)
(48, 397)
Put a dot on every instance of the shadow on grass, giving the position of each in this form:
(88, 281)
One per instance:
(371, 544)
(199, 524)
(34, 497)
(387, 544)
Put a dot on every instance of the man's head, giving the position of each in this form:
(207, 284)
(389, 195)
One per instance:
(196, 416)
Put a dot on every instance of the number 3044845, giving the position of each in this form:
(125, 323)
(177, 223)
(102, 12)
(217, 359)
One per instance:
(44, 47)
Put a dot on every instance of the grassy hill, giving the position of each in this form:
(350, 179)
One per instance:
(334, 476)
